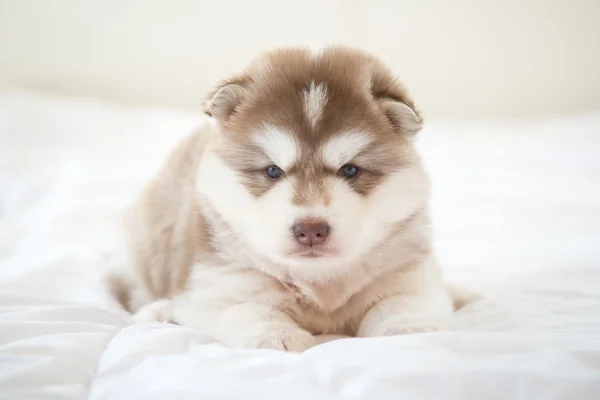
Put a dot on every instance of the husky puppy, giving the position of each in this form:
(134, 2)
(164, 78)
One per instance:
(300, 209)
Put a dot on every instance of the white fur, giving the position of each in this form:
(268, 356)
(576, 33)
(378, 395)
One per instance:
(251, 289)
(343, 148)
(215, 308)
(315, 99)
(263, 223)
(157, 311)
(278, 145)
(424, 312)
(357, 223)
(248, 302)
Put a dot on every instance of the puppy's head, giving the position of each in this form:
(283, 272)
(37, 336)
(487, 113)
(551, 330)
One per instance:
(314, 165)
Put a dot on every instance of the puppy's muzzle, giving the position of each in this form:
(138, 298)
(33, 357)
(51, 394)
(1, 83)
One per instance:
(311, 232)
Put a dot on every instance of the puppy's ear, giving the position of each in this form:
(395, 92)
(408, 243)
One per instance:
(225, 99)
(404, 118)
(394, 101)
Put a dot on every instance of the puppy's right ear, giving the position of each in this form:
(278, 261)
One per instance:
(224, 100)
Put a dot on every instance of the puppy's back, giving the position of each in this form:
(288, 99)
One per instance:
(164, 229)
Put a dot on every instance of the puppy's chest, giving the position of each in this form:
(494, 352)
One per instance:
(326, 309)
(310, 296)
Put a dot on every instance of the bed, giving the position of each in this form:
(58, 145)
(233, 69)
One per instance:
(517, 214)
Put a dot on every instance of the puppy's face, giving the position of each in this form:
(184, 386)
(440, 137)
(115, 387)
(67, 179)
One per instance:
(314, 166)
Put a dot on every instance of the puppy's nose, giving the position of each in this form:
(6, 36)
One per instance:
(311, 232)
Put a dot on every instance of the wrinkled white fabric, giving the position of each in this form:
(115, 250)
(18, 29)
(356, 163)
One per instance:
(516, 213)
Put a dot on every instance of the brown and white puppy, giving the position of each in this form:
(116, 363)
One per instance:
(301, 210)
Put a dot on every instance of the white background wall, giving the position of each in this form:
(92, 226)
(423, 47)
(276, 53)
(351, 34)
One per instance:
(460, 59)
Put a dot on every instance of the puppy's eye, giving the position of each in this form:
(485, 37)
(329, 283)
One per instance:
(274, 172)
(348, 171)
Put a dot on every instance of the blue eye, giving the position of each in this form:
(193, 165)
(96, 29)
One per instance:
(274, 172)
(349, 171)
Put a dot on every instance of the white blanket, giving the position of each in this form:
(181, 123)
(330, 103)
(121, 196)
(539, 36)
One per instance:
(516, 212)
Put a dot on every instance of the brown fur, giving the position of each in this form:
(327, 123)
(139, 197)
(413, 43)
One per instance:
(276, 82)
(173, 228)
(166, 230)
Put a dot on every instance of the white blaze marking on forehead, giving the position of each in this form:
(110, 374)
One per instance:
(315, 98)
(343, 148)
(279, 146)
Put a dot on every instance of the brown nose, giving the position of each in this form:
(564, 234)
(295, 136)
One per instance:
(309, 233)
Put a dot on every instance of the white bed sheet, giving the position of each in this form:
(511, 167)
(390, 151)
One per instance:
(517, 212)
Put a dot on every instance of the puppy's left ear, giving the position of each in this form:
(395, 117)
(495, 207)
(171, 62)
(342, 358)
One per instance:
(404, 117)
(223, 101)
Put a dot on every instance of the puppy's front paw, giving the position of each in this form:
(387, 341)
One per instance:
(399, 315)
(158, 311)
(273, 336)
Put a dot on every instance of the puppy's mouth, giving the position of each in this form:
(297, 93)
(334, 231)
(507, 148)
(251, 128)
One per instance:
(312, 252)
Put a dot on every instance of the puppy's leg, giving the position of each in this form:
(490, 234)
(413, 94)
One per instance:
(254, 325)
(462, 295)
(157, 311)
(428, 311)
(245, 325)
(240, 307)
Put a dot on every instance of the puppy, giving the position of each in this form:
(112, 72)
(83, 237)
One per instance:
(301, 209)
